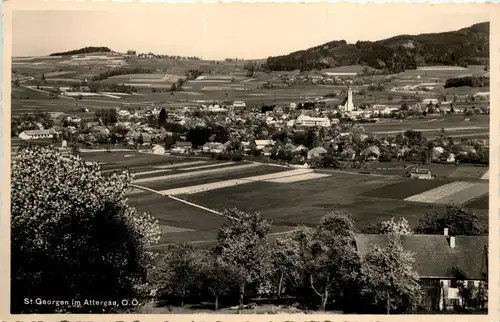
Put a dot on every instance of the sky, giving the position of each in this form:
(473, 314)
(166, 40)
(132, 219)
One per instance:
(218, 31)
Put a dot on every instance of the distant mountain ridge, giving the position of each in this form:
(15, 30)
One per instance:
(85, 50)
(396, 54)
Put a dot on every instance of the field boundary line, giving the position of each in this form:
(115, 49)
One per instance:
(213, 240)
(150, 172)
(269, 164)
(358, 174)
(201, 207)
(183, 201)
(214, 165)
(188, 190)
(196, 173)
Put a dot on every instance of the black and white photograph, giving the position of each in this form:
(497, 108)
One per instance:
(250, 159)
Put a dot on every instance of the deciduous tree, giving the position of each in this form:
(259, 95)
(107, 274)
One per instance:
(242, 244)
(388, 276)
(334, 262)
(74, 235)
(177, 272)
(217, 277)
(457, 219)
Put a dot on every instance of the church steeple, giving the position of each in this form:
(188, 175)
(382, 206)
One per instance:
(349, 105)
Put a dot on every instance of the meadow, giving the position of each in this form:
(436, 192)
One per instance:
(187, 194)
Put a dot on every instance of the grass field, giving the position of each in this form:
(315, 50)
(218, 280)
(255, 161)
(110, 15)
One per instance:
(479, 203)
(286, 197)
(405, 189)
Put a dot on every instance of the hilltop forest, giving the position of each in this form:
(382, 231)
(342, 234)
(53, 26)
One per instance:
(86, 50)
(397, 54)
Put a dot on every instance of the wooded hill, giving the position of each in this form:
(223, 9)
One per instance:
(462, 47)
(86, 50)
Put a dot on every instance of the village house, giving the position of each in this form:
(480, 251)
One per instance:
(267, 151)
(427, 101)
(445, 264)
(216, 109)
(304, 120)
(182, 147)
(36, 134)
(239, 104)
(418, 173)
(261, 144)
(213, 147)
(382, 109)
(124, 113)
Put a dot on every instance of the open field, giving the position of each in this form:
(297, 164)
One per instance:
(186, 194)
(456, 192)
(479, 203)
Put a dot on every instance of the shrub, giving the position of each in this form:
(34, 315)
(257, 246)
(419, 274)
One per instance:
(236, 156)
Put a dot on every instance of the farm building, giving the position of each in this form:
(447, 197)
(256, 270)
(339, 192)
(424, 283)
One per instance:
(304, 120)
(445, 265)
(36, 134)
(421, 174)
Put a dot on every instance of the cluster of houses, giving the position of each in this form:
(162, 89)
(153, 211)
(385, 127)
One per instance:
(242, 123)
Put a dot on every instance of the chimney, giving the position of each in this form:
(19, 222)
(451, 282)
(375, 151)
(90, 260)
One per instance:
(452, 242)
(446, 231)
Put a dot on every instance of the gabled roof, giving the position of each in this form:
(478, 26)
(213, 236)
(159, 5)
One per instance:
(39, 132)
(434, 258)
(183, 144)
(420, 171)
(264, 142)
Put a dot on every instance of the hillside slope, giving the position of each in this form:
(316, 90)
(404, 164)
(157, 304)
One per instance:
(465, 46)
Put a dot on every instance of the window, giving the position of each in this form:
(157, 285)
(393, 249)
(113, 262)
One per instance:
(453, 283)
(470, 285)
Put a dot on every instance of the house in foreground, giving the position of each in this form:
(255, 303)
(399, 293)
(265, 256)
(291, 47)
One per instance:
(447, 265)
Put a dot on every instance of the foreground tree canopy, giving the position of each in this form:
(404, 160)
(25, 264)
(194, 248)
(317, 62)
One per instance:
(74, 236)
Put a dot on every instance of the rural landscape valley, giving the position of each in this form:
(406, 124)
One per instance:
(293, 184)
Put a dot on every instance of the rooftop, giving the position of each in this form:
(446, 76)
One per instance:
(434, 258)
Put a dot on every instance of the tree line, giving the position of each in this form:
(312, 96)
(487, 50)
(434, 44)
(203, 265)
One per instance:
(396, 54)
(470, 81)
